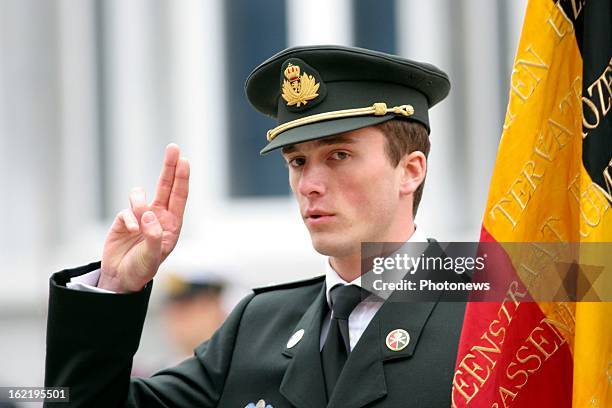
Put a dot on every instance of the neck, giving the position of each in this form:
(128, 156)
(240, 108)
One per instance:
(349, 267)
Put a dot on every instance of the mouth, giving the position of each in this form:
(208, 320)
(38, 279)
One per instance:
(317, 217)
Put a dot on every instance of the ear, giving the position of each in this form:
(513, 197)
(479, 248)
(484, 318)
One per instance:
(413, 168)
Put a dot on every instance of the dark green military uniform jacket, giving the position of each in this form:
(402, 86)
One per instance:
(92, 337)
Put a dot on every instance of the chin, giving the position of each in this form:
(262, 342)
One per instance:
(333, 246)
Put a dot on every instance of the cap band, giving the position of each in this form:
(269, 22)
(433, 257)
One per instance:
(377, 109)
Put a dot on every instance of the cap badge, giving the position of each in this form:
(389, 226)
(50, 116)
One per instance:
(397, 339)
(298, 87)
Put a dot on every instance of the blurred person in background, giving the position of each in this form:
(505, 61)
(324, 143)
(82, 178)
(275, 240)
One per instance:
(193, 307)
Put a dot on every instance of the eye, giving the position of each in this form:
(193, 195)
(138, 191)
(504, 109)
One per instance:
(296, 162)
(340, 155)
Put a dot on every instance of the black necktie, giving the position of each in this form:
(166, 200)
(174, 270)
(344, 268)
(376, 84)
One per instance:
(337, 345)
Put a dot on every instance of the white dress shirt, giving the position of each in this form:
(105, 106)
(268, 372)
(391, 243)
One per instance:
(362, 314)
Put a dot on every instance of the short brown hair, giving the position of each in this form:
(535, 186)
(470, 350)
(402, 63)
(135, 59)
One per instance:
(405, 137)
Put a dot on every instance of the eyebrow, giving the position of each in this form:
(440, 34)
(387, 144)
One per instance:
(325, 142)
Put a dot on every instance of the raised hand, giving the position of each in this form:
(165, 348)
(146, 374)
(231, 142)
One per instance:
(143, 235)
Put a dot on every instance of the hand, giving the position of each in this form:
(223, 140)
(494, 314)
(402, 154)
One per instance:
(143, 235)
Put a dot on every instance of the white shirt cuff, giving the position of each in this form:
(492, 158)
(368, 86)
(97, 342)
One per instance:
(87, 283)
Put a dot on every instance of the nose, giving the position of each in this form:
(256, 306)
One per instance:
(311, 180)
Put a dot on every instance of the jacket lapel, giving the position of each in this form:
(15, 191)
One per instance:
(302, 383)
(363, 378)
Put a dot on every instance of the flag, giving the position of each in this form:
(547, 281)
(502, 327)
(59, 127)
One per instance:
(552, 183)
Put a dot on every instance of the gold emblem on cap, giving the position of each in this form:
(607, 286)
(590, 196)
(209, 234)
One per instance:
(397, 339)
(298, 89)
(295, 339)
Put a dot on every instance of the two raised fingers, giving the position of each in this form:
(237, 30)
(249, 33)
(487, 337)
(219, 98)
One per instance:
(166, 177)
(173, 184)
(180, 189)
(171, 193)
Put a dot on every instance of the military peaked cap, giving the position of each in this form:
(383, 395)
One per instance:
(319, 91)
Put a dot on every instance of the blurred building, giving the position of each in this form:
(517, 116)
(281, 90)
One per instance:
(92, 90)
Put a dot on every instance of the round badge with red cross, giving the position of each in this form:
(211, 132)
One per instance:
(397, 339)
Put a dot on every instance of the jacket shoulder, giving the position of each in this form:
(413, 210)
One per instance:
(290, 285)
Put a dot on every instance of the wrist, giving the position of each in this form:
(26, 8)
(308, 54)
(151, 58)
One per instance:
(113, 283)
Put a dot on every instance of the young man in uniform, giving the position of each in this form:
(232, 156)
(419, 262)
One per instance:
(353, 128)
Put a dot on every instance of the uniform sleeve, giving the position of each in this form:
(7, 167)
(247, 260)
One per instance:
(92, 338)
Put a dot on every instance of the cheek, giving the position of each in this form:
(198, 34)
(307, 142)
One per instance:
(370, 193)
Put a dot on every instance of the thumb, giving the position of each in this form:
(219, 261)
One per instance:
(152, 231)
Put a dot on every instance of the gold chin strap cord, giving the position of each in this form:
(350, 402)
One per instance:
(378, 109)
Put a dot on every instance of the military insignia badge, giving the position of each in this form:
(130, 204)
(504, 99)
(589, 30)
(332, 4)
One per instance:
(295, 339)
(397, 339)
(298, 90)
(260, 404)
(301, 85)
